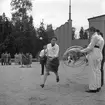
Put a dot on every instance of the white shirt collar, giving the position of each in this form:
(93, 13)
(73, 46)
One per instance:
(53, 46)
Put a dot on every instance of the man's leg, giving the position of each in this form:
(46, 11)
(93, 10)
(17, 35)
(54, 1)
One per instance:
(42, 67)
(44, 79)
(4, 61)
(98, 76)
(57, 76)
(102, 73)
(1, 62)
(92, 75)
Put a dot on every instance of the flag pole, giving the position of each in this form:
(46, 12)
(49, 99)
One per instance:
(69, 9)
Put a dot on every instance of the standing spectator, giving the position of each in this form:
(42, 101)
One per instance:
(22, 63)
(25, 60)
(20, 58)
(6, 56)
(2, 59)
(43, 58)
(30, 55)
(28, 59)
(9, 59)
(16, 58)
(81, 33)
(85, 34)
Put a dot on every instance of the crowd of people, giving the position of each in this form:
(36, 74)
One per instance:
(23, 59)
(5, 59)
(19, 59)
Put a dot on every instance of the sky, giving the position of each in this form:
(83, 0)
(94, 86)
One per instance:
(56, 12)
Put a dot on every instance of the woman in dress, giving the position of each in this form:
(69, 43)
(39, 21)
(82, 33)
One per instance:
(52, 62)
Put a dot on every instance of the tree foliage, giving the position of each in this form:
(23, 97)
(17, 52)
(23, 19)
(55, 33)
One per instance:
(18, 34)
(20, 9)
(5, 33)
(83, 33)
(42, 35)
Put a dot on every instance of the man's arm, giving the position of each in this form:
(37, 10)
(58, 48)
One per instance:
(91, 45)
(103, 53)
(41, 54)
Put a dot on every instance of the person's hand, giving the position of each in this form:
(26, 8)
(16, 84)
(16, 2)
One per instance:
(82, 51)
(51, 58)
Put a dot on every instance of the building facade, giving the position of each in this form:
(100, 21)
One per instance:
(98, 22)
(64, 35)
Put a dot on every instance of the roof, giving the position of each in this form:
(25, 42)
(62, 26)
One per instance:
(63, 24)
(96, 17)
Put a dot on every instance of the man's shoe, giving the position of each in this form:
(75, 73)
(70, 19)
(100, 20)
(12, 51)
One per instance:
(98, 89)
(48, 73)
(91, 91)
(42, 85)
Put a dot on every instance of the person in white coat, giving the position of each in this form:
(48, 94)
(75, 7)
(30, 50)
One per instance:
(94, 51)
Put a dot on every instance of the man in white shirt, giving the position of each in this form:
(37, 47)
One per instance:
(52, 63)
(94, 51)
(103, 60)
(43, 58)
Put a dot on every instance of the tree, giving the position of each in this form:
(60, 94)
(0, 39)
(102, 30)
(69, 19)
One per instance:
(21, 8)
(5, 27)
(42, 36)
(1, 30)
(20, 17)
(5, 33)
(23, 30)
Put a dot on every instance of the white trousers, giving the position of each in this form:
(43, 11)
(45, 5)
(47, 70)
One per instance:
(94, 59)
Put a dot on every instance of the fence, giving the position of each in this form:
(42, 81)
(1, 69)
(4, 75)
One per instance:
(64, 36)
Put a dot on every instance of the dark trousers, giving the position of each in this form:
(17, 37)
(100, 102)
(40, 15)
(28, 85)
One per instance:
(102, 66)
(102, 72)
(42, 67)
(43, 63)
